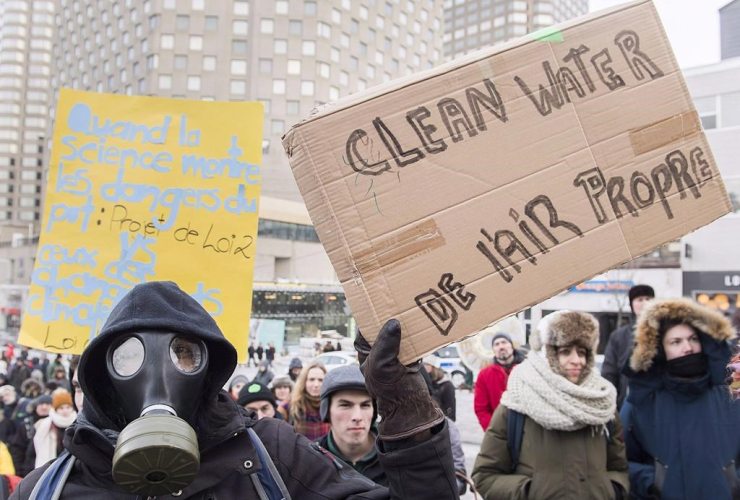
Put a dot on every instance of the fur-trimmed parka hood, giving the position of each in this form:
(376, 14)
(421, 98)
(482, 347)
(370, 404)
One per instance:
(711, 324)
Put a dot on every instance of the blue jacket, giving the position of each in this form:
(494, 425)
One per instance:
(683, 436)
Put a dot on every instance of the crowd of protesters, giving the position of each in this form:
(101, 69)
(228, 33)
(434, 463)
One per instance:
(37, 407)
(659, 422)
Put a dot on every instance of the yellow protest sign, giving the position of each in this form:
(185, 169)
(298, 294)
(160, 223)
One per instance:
(143, 189)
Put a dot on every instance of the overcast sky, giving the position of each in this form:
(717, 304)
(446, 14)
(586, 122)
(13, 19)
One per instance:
(692, 27)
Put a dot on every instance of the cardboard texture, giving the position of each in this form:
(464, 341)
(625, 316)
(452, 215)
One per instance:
(463, 194)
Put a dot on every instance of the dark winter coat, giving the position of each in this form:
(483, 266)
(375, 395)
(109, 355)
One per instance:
(553, 465)
(682, 435)
(417, 473)
(18, 375)
(618, 350)
(228, 458)
(443, 392)
(373, 470)
(490, 386)
(270, 354)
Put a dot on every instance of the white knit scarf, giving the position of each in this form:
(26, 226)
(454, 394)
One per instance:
(45, 439)
(556, 403)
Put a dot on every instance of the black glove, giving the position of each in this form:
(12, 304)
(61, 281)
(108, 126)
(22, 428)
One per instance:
(404, 403)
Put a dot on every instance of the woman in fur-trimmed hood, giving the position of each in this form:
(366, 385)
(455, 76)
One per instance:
(682, 437)
(556, 433)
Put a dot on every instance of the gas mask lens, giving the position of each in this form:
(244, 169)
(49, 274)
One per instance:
(186, 354)
(128, 357)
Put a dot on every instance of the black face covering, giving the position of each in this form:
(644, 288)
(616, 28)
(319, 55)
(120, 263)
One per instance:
(159, 372)
(158, 379)
(689, 366)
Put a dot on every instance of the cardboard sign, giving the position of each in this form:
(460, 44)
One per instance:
(143, 189)
(458, 196)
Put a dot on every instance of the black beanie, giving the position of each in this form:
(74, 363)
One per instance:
(641, 291)
(254, 391)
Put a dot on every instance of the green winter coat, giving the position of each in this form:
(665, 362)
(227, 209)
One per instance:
(552, 464)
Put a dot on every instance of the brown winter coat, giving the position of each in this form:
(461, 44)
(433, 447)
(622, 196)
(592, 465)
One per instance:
(552, 464)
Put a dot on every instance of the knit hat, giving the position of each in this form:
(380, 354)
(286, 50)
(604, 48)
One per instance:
(564, 328)
(295, 363)
(236, 380)
(60, 398)
(344, 378)
(640, 291)
(255, 392)
(432, 360)
(45, 399)
(502, 335)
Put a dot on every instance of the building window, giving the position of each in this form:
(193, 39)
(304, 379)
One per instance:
(267, 26)
(307, 87)
(280, 46)
(335, 54)
(278, 86)
(333, 93)
(309, 48)
(211, 23)
(730, 110)
(323, 30)
(196, 42)
(323, 69)
(241, 8)
(295, 27)
(309, 8)
(238, 87)
(265, 66)
(281, 7)
(267, 105)
(238, 67)
(293, 108)
(238, 46)
(277, 127)
(199, 4)
(209, 63)
(194, 83)
(183, 22)
(240, 28)
(167, 41)
(181, 62)
(165, 82)
(294, 66)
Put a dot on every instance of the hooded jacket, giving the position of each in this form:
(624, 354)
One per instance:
(489, 387)
(228, 458)
(682, 435)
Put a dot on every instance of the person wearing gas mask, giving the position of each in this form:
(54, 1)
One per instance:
(156, 422)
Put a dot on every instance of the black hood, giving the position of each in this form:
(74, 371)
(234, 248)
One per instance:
(155, 306)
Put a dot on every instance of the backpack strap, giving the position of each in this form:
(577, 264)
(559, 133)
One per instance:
(610, 431)
(514, 435)
(269, 484)
(52, 481)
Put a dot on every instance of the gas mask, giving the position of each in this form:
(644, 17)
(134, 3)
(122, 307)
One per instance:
(158, 379)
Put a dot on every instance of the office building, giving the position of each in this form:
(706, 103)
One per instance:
(472, 24)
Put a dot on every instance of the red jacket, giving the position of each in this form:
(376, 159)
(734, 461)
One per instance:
(489, 388)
